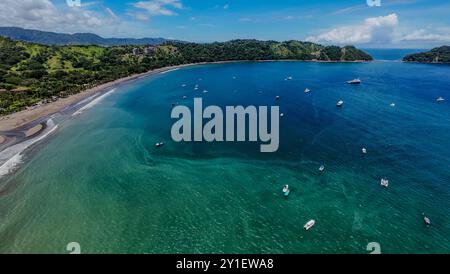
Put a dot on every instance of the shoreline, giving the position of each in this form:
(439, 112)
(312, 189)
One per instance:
(22, 120)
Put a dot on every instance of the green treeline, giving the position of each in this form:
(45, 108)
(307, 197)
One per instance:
(32, 73)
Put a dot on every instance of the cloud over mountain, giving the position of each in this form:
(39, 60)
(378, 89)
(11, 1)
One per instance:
(373, 30)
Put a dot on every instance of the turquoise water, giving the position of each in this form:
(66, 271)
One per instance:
(101, 182)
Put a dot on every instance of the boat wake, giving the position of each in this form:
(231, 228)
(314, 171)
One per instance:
(93, 103)
(11, 157)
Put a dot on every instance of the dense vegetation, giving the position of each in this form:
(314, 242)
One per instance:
(32, 73)
(436, 55)
(52, 38)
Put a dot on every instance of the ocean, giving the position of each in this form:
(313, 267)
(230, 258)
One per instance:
(99, 180)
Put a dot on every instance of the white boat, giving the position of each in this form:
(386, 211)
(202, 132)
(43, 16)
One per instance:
(205, 91)
(286, 190)
(281, 114)
(384, 182)
(322, 168)
(356, 81)
(440, 99)
(183, 85)
(426, 220)
(159, 144)
(185, 97)
(340, 103)
(289, 78)
(307, 90)
(277, 97)
(364, 150)
(309, 224)
(392, 104)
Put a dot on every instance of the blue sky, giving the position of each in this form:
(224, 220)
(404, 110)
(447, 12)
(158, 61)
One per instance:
(396, 23)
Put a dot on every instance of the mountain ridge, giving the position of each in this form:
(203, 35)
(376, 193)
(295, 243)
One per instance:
(60, 39)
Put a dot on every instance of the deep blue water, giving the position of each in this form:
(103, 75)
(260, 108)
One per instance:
(392, 54)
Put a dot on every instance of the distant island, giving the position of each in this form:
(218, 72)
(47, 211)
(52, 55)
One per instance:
(436, 55)
(32, 74)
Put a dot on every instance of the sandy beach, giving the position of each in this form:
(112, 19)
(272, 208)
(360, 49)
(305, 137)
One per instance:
(21, 118)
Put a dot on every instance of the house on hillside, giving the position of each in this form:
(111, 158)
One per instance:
(149, 50)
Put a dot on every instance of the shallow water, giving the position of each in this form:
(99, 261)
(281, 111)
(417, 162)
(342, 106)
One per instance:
(100, 181)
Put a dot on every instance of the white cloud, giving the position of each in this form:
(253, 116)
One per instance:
(160, 7)
(423, 35)
(44, 15)
(289, 17)
(377, 30)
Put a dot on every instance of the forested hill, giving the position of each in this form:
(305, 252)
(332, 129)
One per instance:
(436, 55)
(34, 74)
(268, 50)
(52, 38)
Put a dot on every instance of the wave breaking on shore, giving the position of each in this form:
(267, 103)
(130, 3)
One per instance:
(93, 102)
(11, 157)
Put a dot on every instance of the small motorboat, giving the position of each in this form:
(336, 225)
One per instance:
(289, 78)
(307, 90)
(440, 100)
(384, 182)
(392, 104)
(426, 220)
(281, 114)
(364, 150)
(309, 225)
(184, 97)
(205, 91)
(159, 144)
(356, 81)
(286, 190)
(183, 85)
(322, 168)
(196, 87)
(277, 97)
(340, 103)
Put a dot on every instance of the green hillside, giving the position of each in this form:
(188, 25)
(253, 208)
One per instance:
(32, 73)
(436, 55)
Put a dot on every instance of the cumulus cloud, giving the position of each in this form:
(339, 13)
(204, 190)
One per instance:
(160, 7)
(423, 35)
(44, 15)
(373, 30)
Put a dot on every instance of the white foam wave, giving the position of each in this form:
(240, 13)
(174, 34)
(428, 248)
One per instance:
(12, 156)
(170, 70)
(93, 103)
